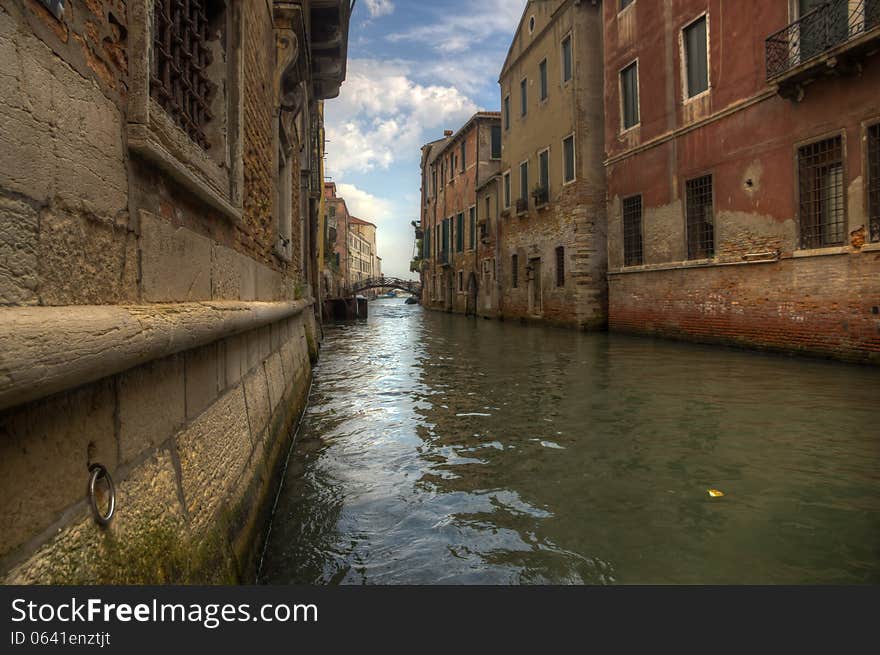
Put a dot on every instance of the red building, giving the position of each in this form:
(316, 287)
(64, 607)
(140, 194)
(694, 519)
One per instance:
(453, 168)
(743, 162)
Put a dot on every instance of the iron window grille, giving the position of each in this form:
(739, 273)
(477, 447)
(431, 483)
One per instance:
(514, 271)
(179, 82)
(560, 266)
(700, 218)
(632, 231)
(874, 182)
(822, 202)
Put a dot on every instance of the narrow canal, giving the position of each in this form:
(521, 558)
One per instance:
(439, 449)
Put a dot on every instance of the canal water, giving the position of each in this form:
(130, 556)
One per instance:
(443, 450)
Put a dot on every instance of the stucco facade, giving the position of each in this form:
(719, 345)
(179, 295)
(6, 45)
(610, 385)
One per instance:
(780, 147)
(551, 255)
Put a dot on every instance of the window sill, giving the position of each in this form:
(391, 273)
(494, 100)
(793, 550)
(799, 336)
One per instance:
(822, 252)
(142, 141)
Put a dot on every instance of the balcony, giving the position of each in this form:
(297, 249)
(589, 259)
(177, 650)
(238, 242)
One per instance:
(522, 206)
(830, 38)
(541, 196)
(443, 258)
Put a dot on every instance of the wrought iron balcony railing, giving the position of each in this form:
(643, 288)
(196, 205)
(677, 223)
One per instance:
(541, 196)
(818, 31)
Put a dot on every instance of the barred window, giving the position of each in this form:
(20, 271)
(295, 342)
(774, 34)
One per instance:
(560, 266)
(822, 202)
(179, 80)
(632, 231)
(874, 180)
(700, 218)
(514, 271)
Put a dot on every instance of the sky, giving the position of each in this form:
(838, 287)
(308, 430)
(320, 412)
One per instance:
(415, 68)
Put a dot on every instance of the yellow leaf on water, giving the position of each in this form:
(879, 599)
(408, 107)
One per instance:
(715, 493)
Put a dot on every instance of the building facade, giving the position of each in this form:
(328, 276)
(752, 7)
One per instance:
(743, 176)
(336, 283)
(551, 253)
(452, 170)
(362, 251)
(157, 321)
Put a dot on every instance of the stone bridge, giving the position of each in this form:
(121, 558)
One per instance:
(411, 286)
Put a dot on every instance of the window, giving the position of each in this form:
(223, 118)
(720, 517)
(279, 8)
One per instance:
(459, 232)
(179, 81)
(632, 231)
(874, 181)
(496, 142)
(488, 208)
(507, 190)
(566, 59)
(531, 24)
(568, 159)
(624, 4)
(542, 70)
(629, 92)
(560, 266)
(460, 282)
(507, 112)
(443, 172)
(544, 177)
(444, 256)
(463, 156)
(452, 166)
(524, 181)
(473, 227)
(524, 97)
(426, 246)
(696, 57)
(700, 218)
(822, 200)
(514, 271)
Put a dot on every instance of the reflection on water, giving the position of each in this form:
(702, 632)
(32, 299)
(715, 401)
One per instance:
(439, 449)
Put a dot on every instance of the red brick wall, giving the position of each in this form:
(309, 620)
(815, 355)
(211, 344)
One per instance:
(820, 305)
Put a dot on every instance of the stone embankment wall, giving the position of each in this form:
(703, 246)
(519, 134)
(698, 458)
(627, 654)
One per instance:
(147, 323)
(192, 439)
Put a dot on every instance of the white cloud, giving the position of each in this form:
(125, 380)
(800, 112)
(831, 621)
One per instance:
(394, 236)
(458, 31)
(380, 7)
(383, 115)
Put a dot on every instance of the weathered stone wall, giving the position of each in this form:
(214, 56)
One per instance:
(578, 227)
(191, 439)
(192, 442)
(64, 236)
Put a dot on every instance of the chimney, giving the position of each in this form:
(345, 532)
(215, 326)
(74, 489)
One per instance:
(448, 132)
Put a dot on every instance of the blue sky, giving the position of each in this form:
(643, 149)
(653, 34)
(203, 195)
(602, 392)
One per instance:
(415, 68)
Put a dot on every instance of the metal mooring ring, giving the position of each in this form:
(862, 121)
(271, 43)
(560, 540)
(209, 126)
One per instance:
(99, 472)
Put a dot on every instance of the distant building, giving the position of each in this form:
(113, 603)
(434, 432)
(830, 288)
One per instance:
(551, 234)
(362, 251)
(452, 170)
(743, 146)
(335, 281)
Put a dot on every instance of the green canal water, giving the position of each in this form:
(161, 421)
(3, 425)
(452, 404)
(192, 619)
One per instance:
(443, 450)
